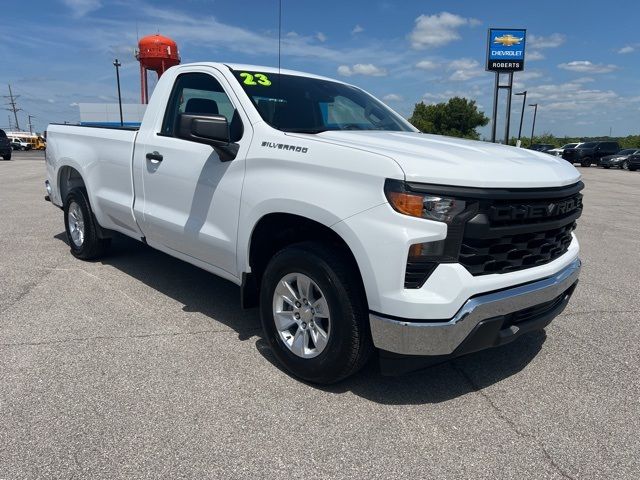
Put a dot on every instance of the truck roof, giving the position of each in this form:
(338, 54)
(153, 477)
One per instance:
(261, 68)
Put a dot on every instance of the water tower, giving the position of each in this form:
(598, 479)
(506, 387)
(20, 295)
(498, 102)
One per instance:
(157, 53)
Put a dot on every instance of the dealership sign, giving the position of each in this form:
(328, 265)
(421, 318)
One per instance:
(505, 50)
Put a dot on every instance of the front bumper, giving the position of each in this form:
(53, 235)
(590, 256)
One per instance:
(483, 321)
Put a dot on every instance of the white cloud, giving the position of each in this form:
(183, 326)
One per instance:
(321, 37)
(627, 49)
(552, 41)
(585, 66)
(572, 96)
(357, 29)
(438, 30)
(292, 34)
(81, 7)
(464, 69)
(393, 97)
(535, 56)
(362, 69)
(427, 65)
(463, 64)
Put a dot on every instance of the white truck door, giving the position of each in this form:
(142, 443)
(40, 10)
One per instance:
(189, 197)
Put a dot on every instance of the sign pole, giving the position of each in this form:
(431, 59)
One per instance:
(506, 128)
(494, 123)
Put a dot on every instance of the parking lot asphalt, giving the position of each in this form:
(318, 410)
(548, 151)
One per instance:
(142, 366)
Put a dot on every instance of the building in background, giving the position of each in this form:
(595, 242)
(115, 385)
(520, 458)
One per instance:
(108, 114)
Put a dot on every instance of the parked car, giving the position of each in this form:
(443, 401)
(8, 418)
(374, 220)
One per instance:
(541, 147)
(633, 161)
(619, 160)
(590, 152)
(332, 213)
(560, 150)
(5, 146)
(20, 144)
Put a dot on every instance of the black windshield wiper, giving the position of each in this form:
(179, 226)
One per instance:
(303, 130)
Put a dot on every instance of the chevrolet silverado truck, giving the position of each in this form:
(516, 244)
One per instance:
(351, 231)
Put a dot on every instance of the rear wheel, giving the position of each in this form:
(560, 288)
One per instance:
(82, 234)
(7, 157)
(605, 166)
(632, 169)
(314, 313)
(585, 162)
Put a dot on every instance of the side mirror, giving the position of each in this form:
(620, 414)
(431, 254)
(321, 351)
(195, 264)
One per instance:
(208, 129)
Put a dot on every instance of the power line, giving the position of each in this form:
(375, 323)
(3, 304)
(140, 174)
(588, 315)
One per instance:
(14, 107)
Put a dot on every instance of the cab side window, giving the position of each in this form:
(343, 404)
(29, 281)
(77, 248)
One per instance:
(199, 94)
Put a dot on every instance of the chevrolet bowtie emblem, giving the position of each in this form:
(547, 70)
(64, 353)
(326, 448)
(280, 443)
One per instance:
(508, 40)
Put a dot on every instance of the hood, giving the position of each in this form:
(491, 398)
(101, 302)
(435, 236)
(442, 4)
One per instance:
(454, 161)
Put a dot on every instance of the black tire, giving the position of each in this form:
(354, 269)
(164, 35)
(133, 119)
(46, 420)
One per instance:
(349, 345)
(605, 166)
(625, 165)
(7, 157)
(92, 246)
(585, 162)
(632, 169)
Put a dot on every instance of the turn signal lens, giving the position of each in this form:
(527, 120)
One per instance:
(406, 203)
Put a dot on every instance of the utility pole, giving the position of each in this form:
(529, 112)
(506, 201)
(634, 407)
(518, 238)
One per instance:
(30, 126)
(9, 118)
(117, 64)
(535, 113)
(524, 104)
(14, 108)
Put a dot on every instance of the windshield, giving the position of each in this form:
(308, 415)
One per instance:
(628, 151)
(570, 145)
(308, 105)
(588, 145)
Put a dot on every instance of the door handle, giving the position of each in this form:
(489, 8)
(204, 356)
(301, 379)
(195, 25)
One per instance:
(154, 156)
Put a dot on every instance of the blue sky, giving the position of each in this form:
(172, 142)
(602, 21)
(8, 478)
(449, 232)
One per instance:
(582, 62)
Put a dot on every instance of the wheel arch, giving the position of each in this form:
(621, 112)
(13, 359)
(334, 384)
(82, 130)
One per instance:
(275, 231)
(68, 179)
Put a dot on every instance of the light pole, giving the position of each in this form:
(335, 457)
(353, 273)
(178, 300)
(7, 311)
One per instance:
(524, 104)
(535, 113)
(117, 64)
(30, 126)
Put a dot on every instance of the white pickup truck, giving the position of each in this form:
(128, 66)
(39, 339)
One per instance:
(352, 232)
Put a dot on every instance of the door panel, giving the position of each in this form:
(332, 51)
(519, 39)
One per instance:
(190, 199)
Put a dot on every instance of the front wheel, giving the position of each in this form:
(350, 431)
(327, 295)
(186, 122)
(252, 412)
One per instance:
(82, 234)
(314, 313)
(625, 165)
(7, 157)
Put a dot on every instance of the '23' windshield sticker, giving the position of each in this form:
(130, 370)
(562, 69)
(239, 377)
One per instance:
(255, 79)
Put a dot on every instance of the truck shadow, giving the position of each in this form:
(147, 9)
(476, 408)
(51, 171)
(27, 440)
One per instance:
(438, 383)
(218, 299)
(197, 290)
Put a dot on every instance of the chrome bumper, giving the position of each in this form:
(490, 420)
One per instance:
(442, 338)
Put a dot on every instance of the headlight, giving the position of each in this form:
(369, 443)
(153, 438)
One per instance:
(416, 201)
(423, 205)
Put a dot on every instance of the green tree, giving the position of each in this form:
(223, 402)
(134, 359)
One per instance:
(458, 117)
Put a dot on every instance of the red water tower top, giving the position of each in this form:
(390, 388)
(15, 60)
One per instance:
(158, 53)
